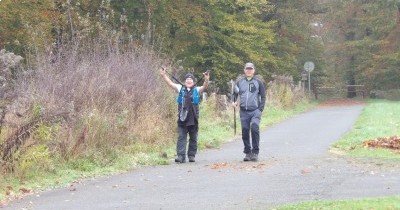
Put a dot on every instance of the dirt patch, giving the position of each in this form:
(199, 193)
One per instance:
(342, 102)
(392, 142)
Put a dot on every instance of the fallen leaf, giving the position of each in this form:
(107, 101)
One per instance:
(24, 190)
(391, 142)
(219, 165)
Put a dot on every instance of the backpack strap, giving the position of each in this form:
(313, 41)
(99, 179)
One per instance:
(195, 95)
(181, 95)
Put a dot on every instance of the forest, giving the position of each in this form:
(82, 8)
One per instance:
(350, 42)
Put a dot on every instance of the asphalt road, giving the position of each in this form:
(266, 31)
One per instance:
(294, 165)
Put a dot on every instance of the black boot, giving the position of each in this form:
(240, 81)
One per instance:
(254, 157)
(247, 157)
(191, 159)
(180, 159)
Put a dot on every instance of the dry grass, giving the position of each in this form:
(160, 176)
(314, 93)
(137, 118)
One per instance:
(112, 97)
(282, 92)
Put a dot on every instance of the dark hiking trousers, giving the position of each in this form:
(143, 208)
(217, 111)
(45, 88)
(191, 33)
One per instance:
(182, 140)
(250, 121)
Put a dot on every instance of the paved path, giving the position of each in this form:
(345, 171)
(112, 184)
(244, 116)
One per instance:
(294, 165)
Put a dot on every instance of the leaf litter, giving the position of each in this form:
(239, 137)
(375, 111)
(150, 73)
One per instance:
(391, 142)
(256, 166)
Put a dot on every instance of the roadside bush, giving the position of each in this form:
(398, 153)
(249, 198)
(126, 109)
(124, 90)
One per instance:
(87, 103)
(281, 92)
(393, 94)
(32, 161)
(10, 64)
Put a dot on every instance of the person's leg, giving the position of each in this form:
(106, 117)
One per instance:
(192, 150)
(245, 123)
(255, 134)
(181, 144)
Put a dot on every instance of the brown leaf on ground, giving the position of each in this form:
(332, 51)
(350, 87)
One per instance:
(24, 190)
(305, 171)
(392, 142)
(244, 166)
(219, 165)
(259, 166)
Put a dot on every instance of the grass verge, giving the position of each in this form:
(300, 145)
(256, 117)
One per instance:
(384, 203)
(380, 118)
(215, 131)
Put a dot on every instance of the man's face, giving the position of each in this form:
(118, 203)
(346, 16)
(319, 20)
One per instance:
(249, 72)
(189, 82)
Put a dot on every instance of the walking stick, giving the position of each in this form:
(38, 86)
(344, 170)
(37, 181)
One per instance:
(234, 108)
(179, 82)
(234, 121)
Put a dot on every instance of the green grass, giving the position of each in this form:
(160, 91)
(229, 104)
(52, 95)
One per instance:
(384, 203)
(214, 127)
(273, 115)
(92, 165)
(380, 118)
(215, 131)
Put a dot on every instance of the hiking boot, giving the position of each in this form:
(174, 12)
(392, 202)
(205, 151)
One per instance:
(247, 157)
(254, 157)
(180, 159)
(191, 159)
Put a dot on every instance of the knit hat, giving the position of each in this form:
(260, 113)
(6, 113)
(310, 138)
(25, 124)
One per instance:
(189, 75)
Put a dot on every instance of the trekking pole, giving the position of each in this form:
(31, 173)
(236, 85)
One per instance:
(205, 73)
(234, 108)
(179, 82)
(234, 121)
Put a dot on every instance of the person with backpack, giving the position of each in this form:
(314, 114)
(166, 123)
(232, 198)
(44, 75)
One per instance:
(188, 113)
(252, 97)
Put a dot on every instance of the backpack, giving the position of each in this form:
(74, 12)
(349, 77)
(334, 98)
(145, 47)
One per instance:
(195, 95)
(181, 101)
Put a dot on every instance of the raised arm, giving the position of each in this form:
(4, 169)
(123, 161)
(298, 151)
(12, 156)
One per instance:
(166, 78)
(205, 83)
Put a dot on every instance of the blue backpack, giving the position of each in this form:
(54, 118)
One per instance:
(183, 112)
(195, 95)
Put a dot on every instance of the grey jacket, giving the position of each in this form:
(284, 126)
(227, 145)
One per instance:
(252, 94)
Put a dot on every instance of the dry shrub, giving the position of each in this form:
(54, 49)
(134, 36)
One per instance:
(281, 92)
(10, 64)
(113, 97)
(216, 109)
(393, 94)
